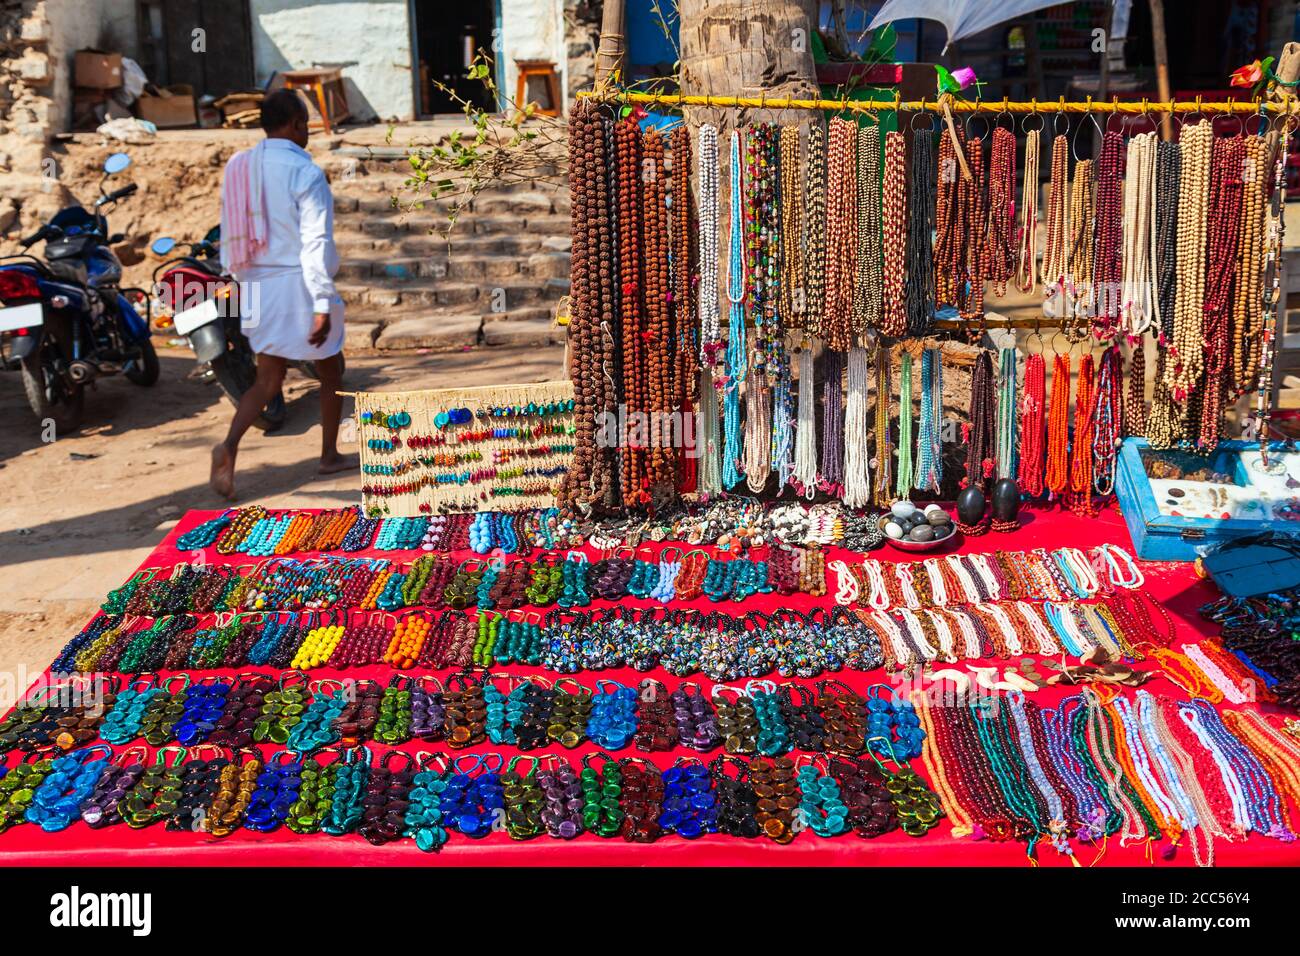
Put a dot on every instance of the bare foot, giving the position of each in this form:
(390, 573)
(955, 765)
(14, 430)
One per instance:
(336, 463)
(222, 477)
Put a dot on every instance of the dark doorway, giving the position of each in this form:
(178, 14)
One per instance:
(448, 35)
(168, 34)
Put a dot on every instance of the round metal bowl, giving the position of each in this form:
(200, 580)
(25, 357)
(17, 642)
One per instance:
(903, 544)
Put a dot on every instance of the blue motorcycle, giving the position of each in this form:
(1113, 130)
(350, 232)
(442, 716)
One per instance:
(66, 319)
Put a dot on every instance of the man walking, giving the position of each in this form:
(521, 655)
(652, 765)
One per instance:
(277, 239)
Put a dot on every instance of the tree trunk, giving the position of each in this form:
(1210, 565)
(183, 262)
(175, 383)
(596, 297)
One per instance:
(747, 48)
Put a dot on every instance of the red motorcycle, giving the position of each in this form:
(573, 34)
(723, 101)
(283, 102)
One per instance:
(204, 307)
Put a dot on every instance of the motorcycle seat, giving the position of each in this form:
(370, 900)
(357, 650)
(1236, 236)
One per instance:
(69, 270)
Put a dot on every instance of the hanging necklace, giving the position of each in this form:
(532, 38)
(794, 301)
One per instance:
(627, 139)
(904, 483)
(710, 313)
(884, 456)
(832, 465)
(1007, 421)
(1108, 238)
(805, 436)
(893, 318)
(737, 357)
(1057, 220)
(1226, 186)
(758, 447)
(867, 298)
(792, 227)
(1033, 426)
(857, 475)
(1027, 246)
(1186, 351)
(1247, 308)
(1106, 421)
(1057, 476)
(919, 289)
(979, 433)
(1081, 449)
(929, 447)
(814, 235)
(999, 254)
(841, 235)
(1081, 301)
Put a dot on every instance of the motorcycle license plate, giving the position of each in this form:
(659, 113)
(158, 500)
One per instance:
(196, 317)
(22, 317)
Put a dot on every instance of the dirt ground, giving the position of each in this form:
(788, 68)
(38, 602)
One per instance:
(80, 513)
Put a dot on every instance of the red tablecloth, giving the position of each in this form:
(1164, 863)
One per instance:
(1175, 585)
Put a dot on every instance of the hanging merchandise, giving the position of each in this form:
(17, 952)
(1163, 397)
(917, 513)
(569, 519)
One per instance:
(814, 240)
(867, 272)
(1081, 444)
(882, 458)
(737, 360)
(805, 436)
(1108, 238)
(1027, 243)
(1056, 477)
(999, 245)
(1225, 204)
(857, 460)
(1106, 424)
(918, 289)
(929, 440)
(1081, 292)
(1007, 415)
(841, 235)
(905, 439)
(1056, 250)
(831, 478)
(1032, 427)
(979, 433)
(960, 225)
(894, 319)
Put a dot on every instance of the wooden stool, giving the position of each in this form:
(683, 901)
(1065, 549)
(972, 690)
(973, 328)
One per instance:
(326, 85)
(545, 71)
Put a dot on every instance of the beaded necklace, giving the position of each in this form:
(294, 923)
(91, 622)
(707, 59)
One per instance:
(999, 252)
(710, 315)
(814, 230)
(1081, 449)
(979, 434)
(894, 318)
(633, 330)
(1196, 142)
(918, 291)
(1026, 277)
(1032, 449)
(841, 235)
(805, 444)
(1081, 301)
(736, 356)
(792, 194)
(1057, 221)
(1108, 240)
(831, 472)
(857, 475)
(903, 485)
(929, 448)
(1057, 474)
(1247, 306)
(1106, 420)
(867, 275)
(1225, 204)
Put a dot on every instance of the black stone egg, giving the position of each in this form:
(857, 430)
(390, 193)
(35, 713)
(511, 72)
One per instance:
(971, 505)
(1006, 500)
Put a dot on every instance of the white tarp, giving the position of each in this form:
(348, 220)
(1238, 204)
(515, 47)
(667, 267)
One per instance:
(962, 17)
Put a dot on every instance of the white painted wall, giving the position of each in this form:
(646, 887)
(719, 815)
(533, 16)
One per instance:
(532, 30)
(74, 25)
(371, 41)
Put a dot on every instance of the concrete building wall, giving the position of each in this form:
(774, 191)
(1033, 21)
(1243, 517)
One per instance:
(532, 30)
(371, 41)
(74, 25)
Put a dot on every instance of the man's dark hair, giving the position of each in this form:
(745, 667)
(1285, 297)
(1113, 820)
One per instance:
(281, 108)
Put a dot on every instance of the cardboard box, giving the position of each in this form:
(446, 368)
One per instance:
(97, 70)
(91, 108)
(167, 107)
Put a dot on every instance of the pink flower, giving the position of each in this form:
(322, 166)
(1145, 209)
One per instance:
(965, 76)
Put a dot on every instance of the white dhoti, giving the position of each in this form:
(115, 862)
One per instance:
(276, 310)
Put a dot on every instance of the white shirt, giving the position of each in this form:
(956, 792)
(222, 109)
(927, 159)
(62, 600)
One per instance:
(299, 221)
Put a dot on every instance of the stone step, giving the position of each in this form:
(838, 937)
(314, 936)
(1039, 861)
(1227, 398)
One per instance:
(534, 332)
(437, 332)
(386, 293)
(538, 265)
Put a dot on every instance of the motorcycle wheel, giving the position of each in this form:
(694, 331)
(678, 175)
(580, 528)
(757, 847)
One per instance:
(309, 368)
(144, 370)
(49, 397)
(235, 373)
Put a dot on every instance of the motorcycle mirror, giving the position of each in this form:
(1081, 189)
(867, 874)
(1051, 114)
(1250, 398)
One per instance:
(163, 245)
(116, 163)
